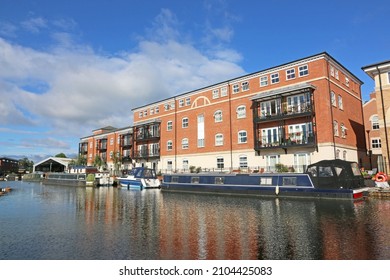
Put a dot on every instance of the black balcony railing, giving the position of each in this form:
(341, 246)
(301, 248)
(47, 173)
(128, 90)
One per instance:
(297, 140)
(287, 113)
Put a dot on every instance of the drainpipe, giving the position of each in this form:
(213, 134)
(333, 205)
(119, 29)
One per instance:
(383, 112)
(230, 127)
(331, 110)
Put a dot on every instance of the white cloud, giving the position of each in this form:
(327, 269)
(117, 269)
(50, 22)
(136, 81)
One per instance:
(84, 90)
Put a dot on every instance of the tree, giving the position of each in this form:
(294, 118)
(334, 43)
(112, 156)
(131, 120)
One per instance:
(61, 155)
(26, 164)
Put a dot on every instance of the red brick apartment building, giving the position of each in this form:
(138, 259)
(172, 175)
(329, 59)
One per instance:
(292, 114)
(374, 159)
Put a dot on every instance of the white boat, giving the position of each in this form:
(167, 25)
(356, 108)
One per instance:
(140, 178)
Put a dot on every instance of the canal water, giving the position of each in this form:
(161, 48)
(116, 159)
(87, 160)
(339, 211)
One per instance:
(75, 223)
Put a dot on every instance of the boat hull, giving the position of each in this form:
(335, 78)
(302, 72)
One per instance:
(251, 185)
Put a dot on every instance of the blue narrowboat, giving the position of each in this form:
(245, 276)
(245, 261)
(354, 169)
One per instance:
(325, 179)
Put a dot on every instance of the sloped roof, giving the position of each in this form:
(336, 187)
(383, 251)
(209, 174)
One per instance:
(63, 161)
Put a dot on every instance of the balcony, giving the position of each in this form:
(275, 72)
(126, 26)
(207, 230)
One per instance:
(293, 141)
(290, 112)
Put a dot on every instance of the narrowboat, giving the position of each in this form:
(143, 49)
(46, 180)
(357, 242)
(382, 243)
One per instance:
(140, 178)
(324, 179)
(69, 179)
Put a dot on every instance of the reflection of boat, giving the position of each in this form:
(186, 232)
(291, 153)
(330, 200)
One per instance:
(328, 179)
(140, 178)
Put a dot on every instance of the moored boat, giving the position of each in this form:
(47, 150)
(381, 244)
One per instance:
(325, 179)
(71, 179)
(140, 178)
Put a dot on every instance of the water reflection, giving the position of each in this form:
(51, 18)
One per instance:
(54, 222)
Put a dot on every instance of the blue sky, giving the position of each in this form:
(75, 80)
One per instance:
(68, 67)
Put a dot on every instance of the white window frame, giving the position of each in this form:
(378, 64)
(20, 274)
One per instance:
(275, 78)
(169, 125)
(245, 86)
(242, 137)
(184, 143)
(219, 139)
(241, 112)
(336, 128)
(224, 91)
(184, 122)
(188, 101)
(340, 102)
(376, 143)
(374, 122)
(220, 162)
(169, 145)
(215, 93)
(181, 103)
(243, 161)
(290, 74)
(263, 81)
(303, 70)
(333, 99)
(218, 116)
(236, 88)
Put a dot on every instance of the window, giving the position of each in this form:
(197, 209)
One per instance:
(151, 111)
(218, 139)
(218, 116)
(181, 102)
(275, 78)
(270, 108)
(236, 88)
(264, 81)
(215, 93)
(388, 77)
(169, 165)
(201, 131)
(188, 101)
(169, 125)
(245, 86)
(220, 162)
(347, 81)
(243, 160)
(376, 143)
(223, 91)
(332, 71)
(184, 122)
(157, 110)
(336, 74)
(166, 107)
(336, 128)
(270, 136)
(145, 113)
(241, 112)
(185, 164)
(333, 98)
(303, 70)
(340, 101)
(290, 74)
(374, 122)
(111, 141)
(172, 105)
(242, 137)
(343, 130)
(140, 114)
(184, 143)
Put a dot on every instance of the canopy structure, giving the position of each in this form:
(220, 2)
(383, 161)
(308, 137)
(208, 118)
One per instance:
(52, 164)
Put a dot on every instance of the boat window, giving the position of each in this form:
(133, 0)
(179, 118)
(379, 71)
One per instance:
(219, 180)
(312, 171)
(355, 169)
(289, 181)
(138, 173)
(325, 171)
(195, 180)
(266, 181)
(175, 179)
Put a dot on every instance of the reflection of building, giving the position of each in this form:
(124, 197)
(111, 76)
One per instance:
(292, 114)
(380, 73)
(374, 158)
